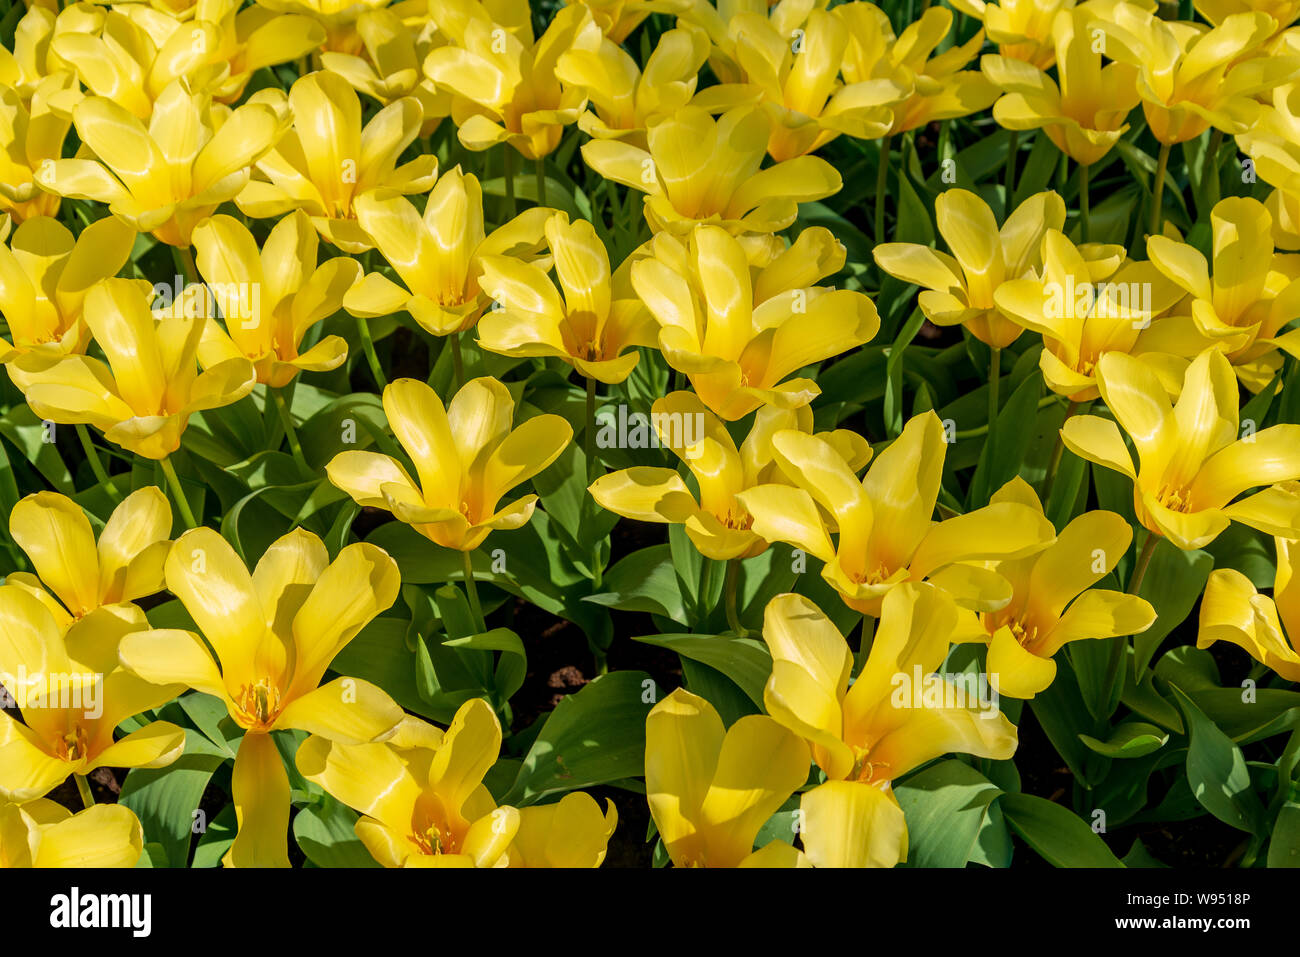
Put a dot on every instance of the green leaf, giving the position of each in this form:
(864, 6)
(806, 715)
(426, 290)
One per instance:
(1284, 846)
(511, 667)
(947, 807)
(1134, 739)
(1057, 834)
(644, 581)
(326, 833)
(1008, 442)
(592, 737)
(1217, 772)
(745, 661)
(1173, 582)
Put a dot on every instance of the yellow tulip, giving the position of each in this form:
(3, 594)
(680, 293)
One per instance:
(1242, 305)
(393, 64)
(72, 695)
(1090, 300)
(143, 397)
(44, 276)
(31, 62)
(269, 299)
(274, 634)
(798, 86)
(959, 289)
(866, 734)
(1283, 12)
(126, 563)
(1273, 144)
(327, 160)
(239, 42)
(883, 523)
(623, 100)
(572, 832)
(466, 456)
(421, 792)
(940, 88)
(595, 327)
(31, 134)
(438, 256)
(1192, 462)
(711, 788)
(1025, 634)
(718, 524)
(504, 83)
(617, 18)
(163, 179)
(1191, 77)
(1232, 610)
(337, 17)
(701, 170)
(44, 834)
(1022, 29)
(738, 336)
(1085, 113)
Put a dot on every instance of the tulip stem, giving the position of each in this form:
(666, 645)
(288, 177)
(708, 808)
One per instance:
(1158, 191)
(174, 483)
(1143, 560)
(286, 420)
(1210, 169)
(1120, 643)
(589, 461)
(368, 347)
(471, 592)
(1057, 450)
(731, 588)
(508, 173)
(882, 179)
(457, 363)
(1085, 227)
(92, 455)
(1008, 184)
(83, 788)
(995, 380)
(184, 260)
(541, 181)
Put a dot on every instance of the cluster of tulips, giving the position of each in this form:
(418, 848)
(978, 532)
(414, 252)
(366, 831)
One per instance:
(255, 549)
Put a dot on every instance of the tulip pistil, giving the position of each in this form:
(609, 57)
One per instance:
(260, 703)
(72, 746)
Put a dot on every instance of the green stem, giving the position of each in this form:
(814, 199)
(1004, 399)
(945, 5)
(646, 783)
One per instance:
(882, 178)
(731, 588)
(286, 420)
(1143, 560)
(1057, 451)
(184, 260)
(457, 363)
(1158, 191)
(702, 606)
(471, 592)
(96, 465)
(541, 181)
(174, 483)
(995, 380)
(508, 171)
(1210, 169)
(1119, 645)
(83, 788)
(1008, 184)
(979, 430)
(1084, 206)
(372, 359)
(589, 457)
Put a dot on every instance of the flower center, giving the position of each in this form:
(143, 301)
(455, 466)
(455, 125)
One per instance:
(72, 746)
(260, 702)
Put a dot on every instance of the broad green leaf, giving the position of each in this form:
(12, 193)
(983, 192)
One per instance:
(1217, 772)
(1057, 834)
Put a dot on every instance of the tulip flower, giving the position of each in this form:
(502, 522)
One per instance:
(573, 832)
(1283, 12)
(1022, 29)
(126, 563)
(1266, 628)
(421, 792)
(164, 178)
(143, 397)
(438, 256)
(941, 89)
(798, 85)
(1024, 635)
(274, 634)
(711, 788)
(248, 40)
(701, 170)
(1273, 144)
(1191, 77)
(466, 456)
(883, 523)
(960, 289)
(270, 299)
(327, 160)
(72, 695)
(44, 834)
(1085, 113)
(28, 61)
(595, 327)
(868, 734)
(738, 337)
(1192, 462)
(622, 99)
(44, 276)
(337, 17)
(1089, 301)
(504, 83)
(617, 18)
(31, 133)
(1252, 294)
(392, 65)
(718, 524)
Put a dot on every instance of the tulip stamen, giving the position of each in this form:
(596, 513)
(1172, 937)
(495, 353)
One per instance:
(72, 746)
(1175, 499)
(260, 703)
